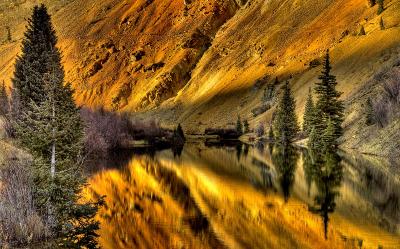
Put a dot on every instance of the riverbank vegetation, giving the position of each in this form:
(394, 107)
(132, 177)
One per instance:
(41, 196)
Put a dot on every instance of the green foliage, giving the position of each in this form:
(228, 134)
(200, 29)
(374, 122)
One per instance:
(309, 114)
(371, 3)
(328, 105)
(239, 126)
(48, 125)
(286, 125)
(381, 6)
(381, 24)
(246, 126)
(9, 36)
(362, 31)
(4, 104)
(179, 136)
(329, 138)
(268, 93)
(285, 157)
(271, 135)
(39, 55)
(327, 174)
(369, 112)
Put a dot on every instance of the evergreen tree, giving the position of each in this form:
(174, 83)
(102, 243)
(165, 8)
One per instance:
(369, 113)
(271, 135)
(9, 37)
(239, 126)
(381, 6)
(246, 126)
(329, 138)
(362, 31)
(381, 24)
(179, 136)
(372, 3)
(4, 104)
(49, 126)
(308, 118)
(284, 158)
(39, 54)
(328, 105)
(286, 121)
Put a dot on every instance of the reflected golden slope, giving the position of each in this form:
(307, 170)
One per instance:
(144, 211)
(184, 203)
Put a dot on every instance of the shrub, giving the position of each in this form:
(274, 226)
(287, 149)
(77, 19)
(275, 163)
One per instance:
(105, 130)
(260, 110)
(260, 130)
(19, 222)
(381, 112)
(391, 87)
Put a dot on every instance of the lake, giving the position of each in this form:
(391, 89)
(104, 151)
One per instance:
(242, 196)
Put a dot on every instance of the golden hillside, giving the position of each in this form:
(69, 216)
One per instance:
(204, 62)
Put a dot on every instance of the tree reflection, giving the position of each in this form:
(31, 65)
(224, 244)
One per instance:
(326, 172)
(285, 160)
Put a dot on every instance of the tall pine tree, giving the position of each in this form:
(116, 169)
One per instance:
(239, 126)
(47, 124)
(39, 54)
(328, 105)
(308, 118)
(4, 104)
(381, 6)
(286, 125)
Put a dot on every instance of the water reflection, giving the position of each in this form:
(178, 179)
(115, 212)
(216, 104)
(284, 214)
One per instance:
(240, 196)
(326, 172)
(285, 160)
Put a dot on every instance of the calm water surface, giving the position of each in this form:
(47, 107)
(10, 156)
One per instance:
(240, 196)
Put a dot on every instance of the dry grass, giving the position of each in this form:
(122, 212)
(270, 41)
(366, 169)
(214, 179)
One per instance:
(20, 224)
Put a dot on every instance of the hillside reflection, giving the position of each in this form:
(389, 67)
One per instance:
(240, 196)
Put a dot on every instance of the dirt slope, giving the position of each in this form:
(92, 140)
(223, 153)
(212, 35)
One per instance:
(204, 62)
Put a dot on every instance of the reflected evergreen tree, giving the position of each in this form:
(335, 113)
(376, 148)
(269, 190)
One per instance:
(327, 176)
(238, 151)
(177, 150)
(260, 147)
(309, 169)
(285, 160)
(246, 150)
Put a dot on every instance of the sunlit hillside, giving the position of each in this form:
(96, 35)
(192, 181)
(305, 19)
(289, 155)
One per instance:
(202, 63)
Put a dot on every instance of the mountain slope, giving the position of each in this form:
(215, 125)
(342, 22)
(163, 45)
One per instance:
(204, 62)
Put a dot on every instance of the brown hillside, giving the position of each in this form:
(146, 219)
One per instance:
(204, 62)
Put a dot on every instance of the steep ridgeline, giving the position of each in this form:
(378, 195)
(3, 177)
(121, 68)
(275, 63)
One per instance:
(201, 63)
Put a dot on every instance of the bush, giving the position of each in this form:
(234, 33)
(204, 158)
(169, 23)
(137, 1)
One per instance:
(260, 110)
(260, 130)
(387, 106)
(391, 87)
(381, 112)
(105, 130)
(20, 224)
